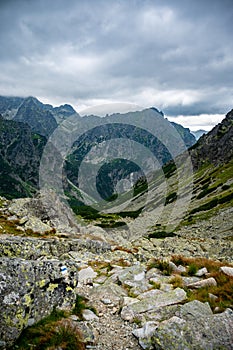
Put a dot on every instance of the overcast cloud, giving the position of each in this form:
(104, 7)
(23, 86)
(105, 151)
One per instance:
(175, 55)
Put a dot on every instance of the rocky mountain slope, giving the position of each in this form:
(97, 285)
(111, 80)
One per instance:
(20, 153)
(139, 286)
(43, 119)
(216, 147)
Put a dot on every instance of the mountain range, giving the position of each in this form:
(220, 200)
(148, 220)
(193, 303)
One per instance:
(26, 124)
(25, 127)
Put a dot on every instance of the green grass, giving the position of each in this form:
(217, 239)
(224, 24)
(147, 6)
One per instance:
(80, 305)
(52, 332)
(162, 265)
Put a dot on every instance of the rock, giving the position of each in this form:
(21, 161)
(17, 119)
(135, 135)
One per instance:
(86, 276)
(208, 282)
(201, 272)
(166, 287)
(153, 273)
(189, 280)
(45, 207)
(109, 291)
(195, 327)
(149, 294)
(128, 301)
(227, 270)
(173, 266)
(133, 273)
(138, 287)
(144, 334)
(106, 301)
(175, 296)
(140, 276)
(181, 269)
(212, 297)
(90, 336)
(30, 290)
(36, 225)
(23, 220)
(89, 315)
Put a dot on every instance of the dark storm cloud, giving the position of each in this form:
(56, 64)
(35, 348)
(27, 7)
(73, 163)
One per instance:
(176, 55)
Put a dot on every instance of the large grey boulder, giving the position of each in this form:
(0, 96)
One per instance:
(46, 210)
(129, 313)
(195, 327)
(29, 290)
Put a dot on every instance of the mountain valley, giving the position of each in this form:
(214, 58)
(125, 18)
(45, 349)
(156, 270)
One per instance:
(152, 261)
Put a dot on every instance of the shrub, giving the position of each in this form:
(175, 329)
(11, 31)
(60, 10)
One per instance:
(161, 265)
(192, 269)
(177, 281)
(80, 305)
(161, 234)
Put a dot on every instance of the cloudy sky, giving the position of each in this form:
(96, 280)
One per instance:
(176, 55)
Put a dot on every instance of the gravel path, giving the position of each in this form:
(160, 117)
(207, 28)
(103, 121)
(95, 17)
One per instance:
(111, 331)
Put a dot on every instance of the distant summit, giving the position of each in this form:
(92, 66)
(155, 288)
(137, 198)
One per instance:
(199, 133)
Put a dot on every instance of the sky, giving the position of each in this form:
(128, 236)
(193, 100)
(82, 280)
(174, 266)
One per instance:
(176, 55)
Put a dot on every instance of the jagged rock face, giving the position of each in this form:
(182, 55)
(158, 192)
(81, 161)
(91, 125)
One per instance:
(186, 135)
(9, 105)
(30, 290)
(20, 152)
(48, 208)
(215, 147)
(39, 119)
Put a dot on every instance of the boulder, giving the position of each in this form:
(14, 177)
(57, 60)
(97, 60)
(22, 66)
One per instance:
(175, 296)
(86, 276)
(208, 282)
(145, 333)
(201, 272)
(89, 315)
(30, 290)
(227, 270)
(195, 327)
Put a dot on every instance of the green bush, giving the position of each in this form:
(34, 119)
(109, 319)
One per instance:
(171, 198)
(80, 305)
(161, 234)
(192, 269)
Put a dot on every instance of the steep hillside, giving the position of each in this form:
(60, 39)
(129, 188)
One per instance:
(33, 113)
(216, 147)
(20, 152)
(42, 118)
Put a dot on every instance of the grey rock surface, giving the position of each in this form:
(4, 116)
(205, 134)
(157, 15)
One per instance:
(30, 290)
(195, 328)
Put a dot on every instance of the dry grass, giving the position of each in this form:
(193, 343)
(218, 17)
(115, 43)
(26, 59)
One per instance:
(177, 281)
(127, 250)
(52, 332)
(224, 289)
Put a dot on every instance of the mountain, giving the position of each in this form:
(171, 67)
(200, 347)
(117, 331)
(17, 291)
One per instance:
(216, 146)
(9, 106)
(186, 135)
(125, 126)
(42, 118)
(20, 152)
(198, 133)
